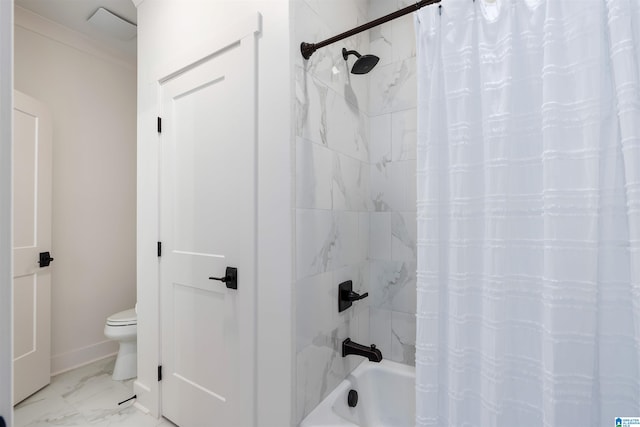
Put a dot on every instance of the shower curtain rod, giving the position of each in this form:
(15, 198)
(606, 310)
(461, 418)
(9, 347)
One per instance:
(307, 49)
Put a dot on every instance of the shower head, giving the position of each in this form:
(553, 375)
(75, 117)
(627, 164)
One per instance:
(363, 64)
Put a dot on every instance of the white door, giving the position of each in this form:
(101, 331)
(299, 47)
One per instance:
(31, 236)
(208, 222)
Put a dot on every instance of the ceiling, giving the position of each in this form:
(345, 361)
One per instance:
(74, 14)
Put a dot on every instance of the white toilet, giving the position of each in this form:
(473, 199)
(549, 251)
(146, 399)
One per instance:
(123, 327)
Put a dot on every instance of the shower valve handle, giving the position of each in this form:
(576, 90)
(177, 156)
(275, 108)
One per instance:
(352, 296)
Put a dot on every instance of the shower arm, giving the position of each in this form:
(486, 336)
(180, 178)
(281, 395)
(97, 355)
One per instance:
(307, 49)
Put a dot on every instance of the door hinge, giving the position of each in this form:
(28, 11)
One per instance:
(160, 373)
(159, 125)
(159, 249)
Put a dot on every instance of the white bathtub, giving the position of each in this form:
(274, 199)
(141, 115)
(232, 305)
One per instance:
(386, 398)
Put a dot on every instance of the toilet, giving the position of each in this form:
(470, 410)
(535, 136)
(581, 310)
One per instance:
(123, 327)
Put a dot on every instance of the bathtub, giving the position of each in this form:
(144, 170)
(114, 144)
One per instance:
(386, 398)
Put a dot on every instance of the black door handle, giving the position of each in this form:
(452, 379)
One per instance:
(230, 278)
(45, 259)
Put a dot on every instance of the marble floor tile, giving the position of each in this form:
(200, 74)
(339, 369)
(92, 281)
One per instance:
(86, 396)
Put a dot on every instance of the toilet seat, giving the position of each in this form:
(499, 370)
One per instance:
(123, 318)
(123, 328)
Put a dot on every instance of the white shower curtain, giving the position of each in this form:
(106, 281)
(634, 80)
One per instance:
(528, 213)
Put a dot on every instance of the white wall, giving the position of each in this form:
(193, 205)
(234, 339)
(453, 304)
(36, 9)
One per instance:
(165, 28)
(6, 252)
(92, 98)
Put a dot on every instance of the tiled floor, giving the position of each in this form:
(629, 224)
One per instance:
(86, 396)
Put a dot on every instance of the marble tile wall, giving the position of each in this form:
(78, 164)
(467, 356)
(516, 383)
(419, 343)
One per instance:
(392, 250)
(355, 192)
(332, 198)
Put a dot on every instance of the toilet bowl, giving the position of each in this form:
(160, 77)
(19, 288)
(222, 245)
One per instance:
(123, 327)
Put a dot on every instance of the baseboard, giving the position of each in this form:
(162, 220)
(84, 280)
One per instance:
(83, 356)
(143, 401)
(141, 408)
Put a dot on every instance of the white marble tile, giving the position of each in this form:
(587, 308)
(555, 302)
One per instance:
(363, 319)
(363, 235)
(378, 8)
(348, 239)
(411, 200)
(52, 410)
(400, 187)
(393, 285)
(347, 129)
(404, 135)
(393, 87)
(326, 240)
(96, 388)
(381, 42)
(380, 239)
(131, 417)
(327, 64)
(380, 330)
(103, 406)
(316, 242)
(328, 98)
(313, 175)
(354, 88)
(311, 107)
(393, 186)
(315, 306)
(404, 38)
(381, 139)
(346, 330)
(330, 118)
(403, 337)
(73, 382)
(350, 183)
(82, 397)
(309, 28)
(404, 233)
(381, 189)
(319, 368)
(340, 15)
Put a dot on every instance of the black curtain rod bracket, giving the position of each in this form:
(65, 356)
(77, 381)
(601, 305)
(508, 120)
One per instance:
(307, 49)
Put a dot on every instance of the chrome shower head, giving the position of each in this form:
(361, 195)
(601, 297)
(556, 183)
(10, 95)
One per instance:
(363, 64)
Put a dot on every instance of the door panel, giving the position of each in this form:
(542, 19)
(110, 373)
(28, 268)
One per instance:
(32, 235)
(25, 292)
(207, 220)
(24, 178)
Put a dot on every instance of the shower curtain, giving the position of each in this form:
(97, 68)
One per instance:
(528, 213)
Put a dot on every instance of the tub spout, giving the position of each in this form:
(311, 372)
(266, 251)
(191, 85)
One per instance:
(371, 353)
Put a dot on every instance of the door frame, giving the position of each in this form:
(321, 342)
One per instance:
(275, 362)
(6, 209)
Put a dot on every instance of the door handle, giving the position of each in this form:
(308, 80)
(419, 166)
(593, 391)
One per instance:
(230, 278)
(45, 259)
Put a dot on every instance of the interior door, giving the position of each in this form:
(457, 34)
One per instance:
(32, 236)
(208, 221)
